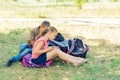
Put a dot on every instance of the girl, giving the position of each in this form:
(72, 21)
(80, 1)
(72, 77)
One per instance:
(42, 52)
(26, 48)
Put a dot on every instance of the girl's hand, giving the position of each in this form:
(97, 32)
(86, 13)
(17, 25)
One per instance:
(56, 47)
(50, 48)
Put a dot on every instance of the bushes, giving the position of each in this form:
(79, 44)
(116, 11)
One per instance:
(80, 3)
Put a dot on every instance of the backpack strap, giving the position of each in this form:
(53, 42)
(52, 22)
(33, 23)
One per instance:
(71, 47)
(61, 44)
(83, 44)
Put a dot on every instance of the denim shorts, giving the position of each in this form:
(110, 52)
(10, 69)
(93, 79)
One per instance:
(41, 60)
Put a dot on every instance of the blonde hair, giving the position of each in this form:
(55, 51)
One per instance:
(52, 29)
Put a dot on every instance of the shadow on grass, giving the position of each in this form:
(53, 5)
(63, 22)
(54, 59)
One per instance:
(103, 59)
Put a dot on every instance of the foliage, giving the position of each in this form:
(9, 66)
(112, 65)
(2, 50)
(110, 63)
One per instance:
(16, 9)
(38, 0)
(64, 0)
(115, 0)
(80, 3)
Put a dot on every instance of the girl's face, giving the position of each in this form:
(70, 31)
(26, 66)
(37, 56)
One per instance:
(52, 35)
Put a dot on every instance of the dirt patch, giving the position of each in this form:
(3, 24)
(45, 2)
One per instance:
(84, 31)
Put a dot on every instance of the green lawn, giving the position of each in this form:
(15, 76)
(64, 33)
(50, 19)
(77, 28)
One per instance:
(104, 62)
(104, 58)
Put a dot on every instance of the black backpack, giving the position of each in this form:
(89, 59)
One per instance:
(75, 47)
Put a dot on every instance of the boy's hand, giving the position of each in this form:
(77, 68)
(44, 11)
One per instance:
(31, 42)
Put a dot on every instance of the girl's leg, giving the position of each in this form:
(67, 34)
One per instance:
(77, 58)
(63, 56)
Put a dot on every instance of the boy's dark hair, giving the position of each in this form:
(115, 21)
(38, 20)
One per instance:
(45, 24)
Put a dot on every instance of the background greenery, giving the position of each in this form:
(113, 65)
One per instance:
(28, 9)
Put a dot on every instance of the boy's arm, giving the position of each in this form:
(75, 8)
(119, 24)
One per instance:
(31, 41)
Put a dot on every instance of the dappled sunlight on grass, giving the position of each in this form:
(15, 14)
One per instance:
(102, 62)
(117, 72)
(105, 51)
(93, 32)
(108, 33)
(103, 42)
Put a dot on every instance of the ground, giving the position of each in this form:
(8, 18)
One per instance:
(103, 56)
(102, 39)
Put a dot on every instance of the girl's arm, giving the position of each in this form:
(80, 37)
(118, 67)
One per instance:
(38, 46)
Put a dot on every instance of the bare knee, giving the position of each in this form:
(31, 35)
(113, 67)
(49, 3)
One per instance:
(56, 51)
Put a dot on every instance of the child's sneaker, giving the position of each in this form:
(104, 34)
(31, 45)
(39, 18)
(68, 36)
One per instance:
(9, 63)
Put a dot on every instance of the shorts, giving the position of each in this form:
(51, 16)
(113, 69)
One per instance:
(41, 60)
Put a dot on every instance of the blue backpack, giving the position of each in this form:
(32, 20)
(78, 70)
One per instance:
(75, 47)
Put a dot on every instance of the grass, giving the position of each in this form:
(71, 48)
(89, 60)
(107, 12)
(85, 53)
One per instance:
(104, 57)
(104, 62)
